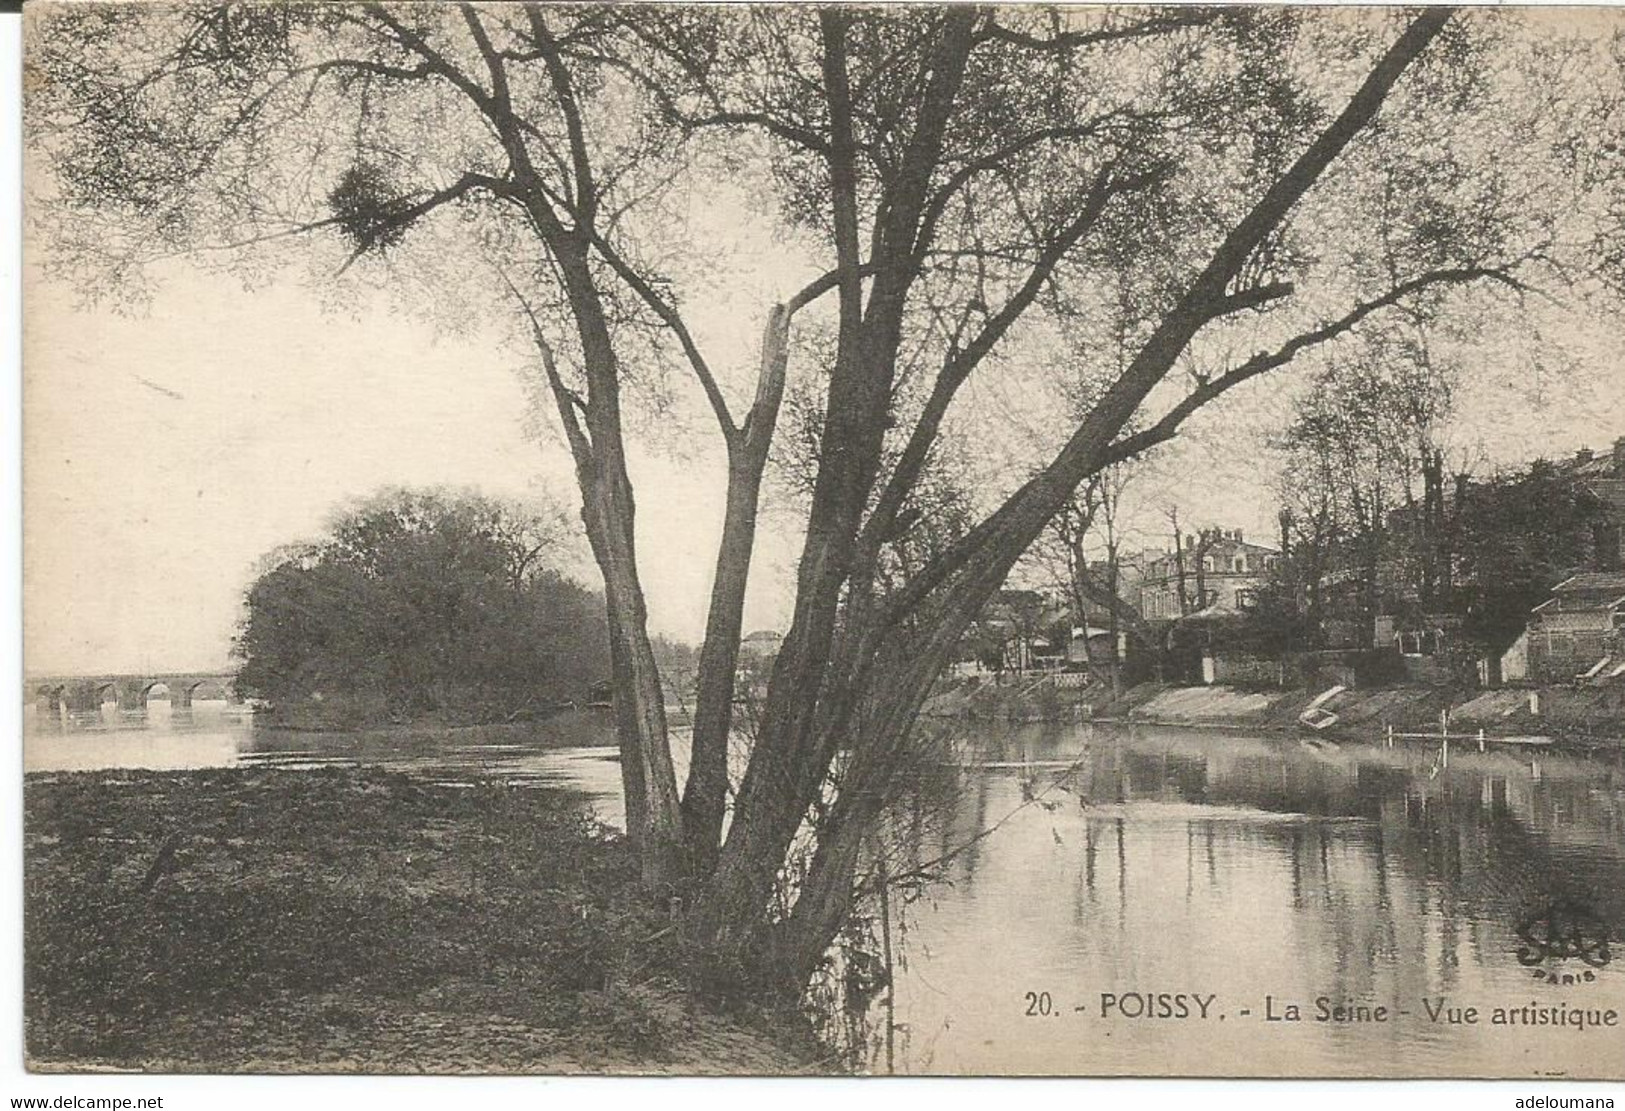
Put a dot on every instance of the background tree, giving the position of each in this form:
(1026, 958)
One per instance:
(1516, 536)
(426, 601)
(1081, 553)
(942, 169)
(1362, 452)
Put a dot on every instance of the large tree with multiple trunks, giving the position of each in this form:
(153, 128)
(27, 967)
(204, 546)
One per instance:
(951, 188)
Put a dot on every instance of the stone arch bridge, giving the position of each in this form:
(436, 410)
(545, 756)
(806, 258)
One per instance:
(52, 693)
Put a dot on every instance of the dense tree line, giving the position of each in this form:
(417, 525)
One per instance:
(1515, 535)
(424, 601)
(1487, 549)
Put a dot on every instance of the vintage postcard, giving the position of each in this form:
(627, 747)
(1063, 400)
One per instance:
(817, 539)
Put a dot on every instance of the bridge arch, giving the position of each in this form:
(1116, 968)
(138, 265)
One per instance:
(130, 691)
(207, 689)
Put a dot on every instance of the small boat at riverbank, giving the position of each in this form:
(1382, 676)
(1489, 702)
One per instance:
(1317, 719)
(1315, 715)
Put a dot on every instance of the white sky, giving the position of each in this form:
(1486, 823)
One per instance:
(167, 452)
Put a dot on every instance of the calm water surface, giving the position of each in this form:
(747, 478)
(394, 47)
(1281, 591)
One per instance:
(575, 750)
(1154, 860)
(1258, 871)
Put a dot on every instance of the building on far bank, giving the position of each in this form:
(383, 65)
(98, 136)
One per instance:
(1222, 574)
(1602, 474)
(757, 651)
(1576, 632)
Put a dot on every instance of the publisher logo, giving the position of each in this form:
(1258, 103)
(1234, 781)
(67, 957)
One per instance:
(1560, 933)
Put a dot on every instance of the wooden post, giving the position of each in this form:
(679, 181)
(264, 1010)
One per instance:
(1481, 738)
(891, 985)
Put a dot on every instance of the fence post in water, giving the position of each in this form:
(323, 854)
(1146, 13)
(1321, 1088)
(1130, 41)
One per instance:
(1481, 738)
(1444, 753)
(1390, 734)
(891, 987)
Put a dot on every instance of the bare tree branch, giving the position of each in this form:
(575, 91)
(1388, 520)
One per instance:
(1003, 534)
(1072, 40)
(1169, 423)
(586, 193)
(961, 362)
(569, 402)
(673, 319)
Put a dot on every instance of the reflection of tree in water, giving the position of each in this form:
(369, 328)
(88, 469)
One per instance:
(1392, 864)
(930, 840)
(1471, 850)
(905, 858)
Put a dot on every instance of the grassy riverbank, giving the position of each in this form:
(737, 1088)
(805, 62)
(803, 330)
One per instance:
(353, 920)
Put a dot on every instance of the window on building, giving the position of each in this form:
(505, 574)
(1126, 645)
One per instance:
(1241, 564)
(1423, 642)
(1246, 599)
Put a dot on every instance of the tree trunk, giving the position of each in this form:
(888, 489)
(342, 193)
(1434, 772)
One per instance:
(653, 820)
(1179, 568)
(793, 748)
(887, 656)
(593, 429)
(1114, 624)
(706, 792)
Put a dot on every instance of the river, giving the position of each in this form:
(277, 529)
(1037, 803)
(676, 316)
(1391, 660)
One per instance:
(1219, 877)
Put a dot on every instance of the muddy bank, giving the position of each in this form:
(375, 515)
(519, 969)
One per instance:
(1577, 715)
(347, 713)
(566, 729)
(354, 920)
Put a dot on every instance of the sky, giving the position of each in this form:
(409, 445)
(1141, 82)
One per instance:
(167, 452)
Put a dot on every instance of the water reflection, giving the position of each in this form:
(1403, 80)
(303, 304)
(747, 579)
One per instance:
(575, 749)
(1149, 860)
(1165, 861)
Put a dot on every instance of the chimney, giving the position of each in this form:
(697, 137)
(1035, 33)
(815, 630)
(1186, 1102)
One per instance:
(1583, 456)
(1238, 537)
(1619, 457)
